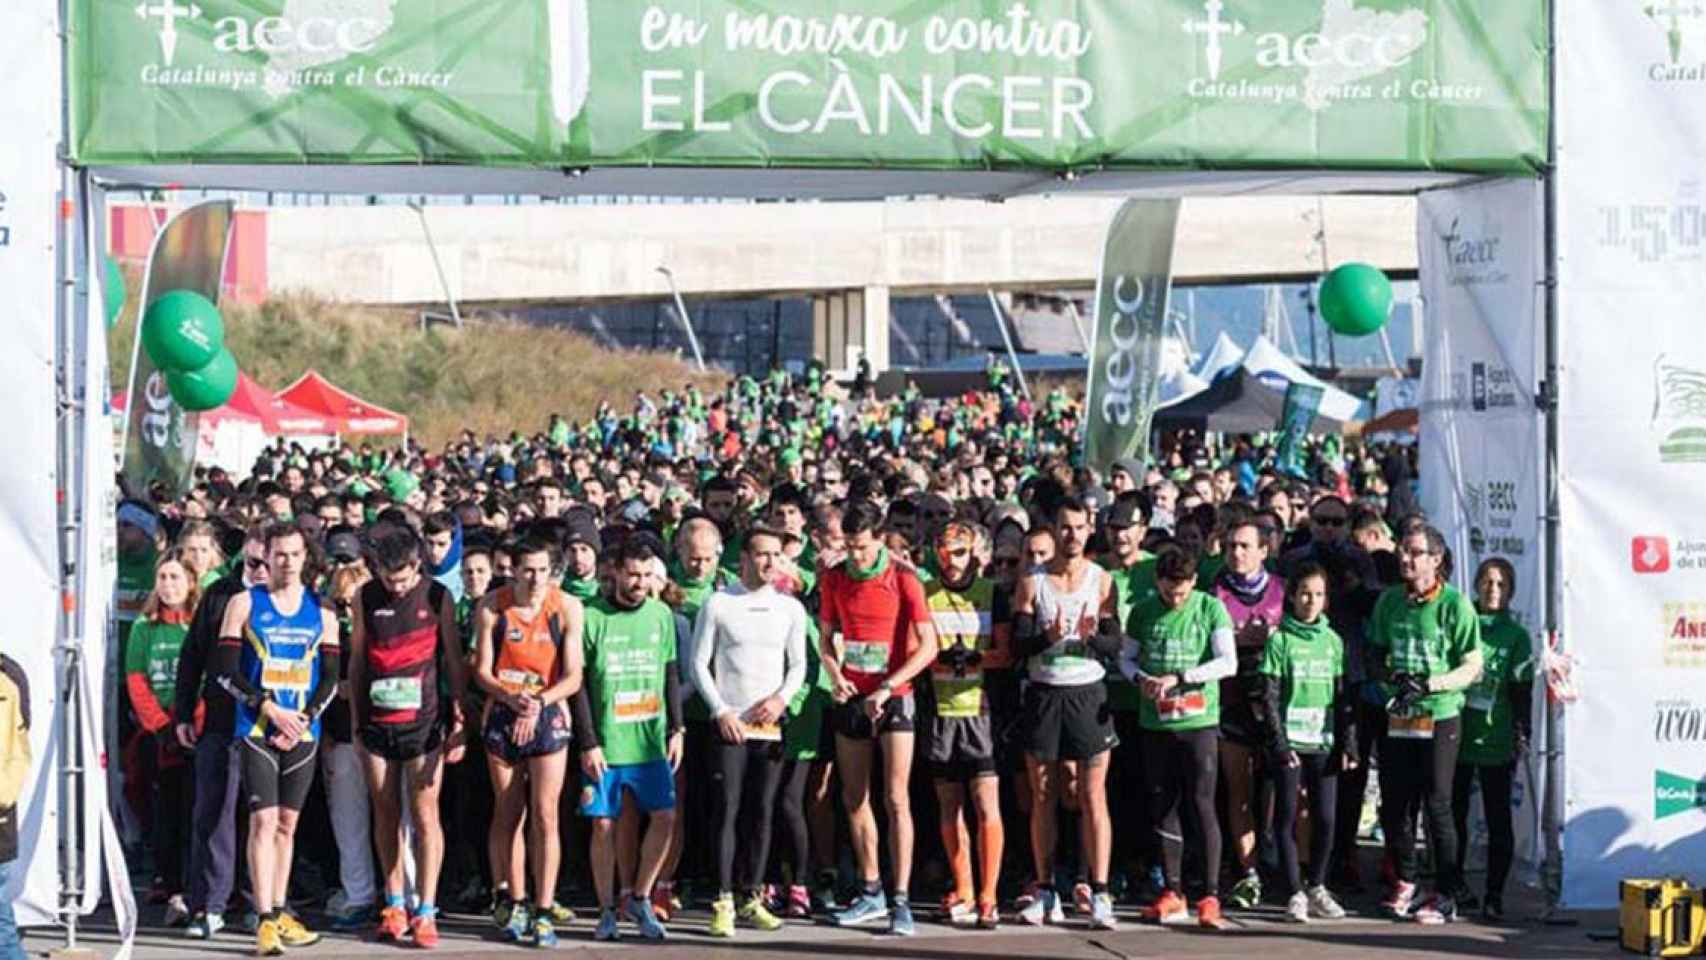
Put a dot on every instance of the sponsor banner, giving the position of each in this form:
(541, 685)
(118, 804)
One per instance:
(29, 185)
(1132, 290)
(188, 254)
(1302, 402)
(949, 84)
(1632, 410)
(1482, 432)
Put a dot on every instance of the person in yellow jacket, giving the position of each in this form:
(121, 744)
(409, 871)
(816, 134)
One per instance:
(14, 768)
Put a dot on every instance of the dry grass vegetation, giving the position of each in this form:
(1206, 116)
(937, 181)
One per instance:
(495, 376)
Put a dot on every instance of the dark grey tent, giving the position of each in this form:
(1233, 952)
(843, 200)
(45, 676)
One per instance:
(1236, 402)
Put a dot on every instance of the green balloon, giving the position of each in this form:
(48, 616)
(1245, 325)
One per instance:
(207, 388)
(112, 291)
(182, 331)
(1356, 299)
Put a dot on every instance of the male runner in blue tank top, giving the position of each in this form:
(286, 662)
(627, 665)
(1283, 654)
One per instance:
(278, 657)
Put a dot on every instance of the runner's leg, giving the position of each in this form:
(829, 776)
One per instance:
(545, 786)
(854, 758)
(897, 772)
(426, 779)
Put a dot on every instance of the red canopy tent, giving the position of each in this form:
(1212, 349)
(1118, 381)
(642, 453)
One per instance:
(253, 402)
(350, 413)
(277, 416)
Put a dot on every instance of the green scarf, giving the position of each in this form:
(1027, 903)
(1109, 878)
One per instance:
(581, 589)
(876, 569)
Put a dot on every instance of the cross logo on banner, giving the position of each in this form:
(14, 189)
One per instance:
(1214, 28)
(168, 11)
(1670, 14)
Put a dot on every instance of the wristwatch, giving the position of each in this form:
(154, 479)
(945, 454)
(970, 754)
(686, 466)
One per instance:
(886, 687)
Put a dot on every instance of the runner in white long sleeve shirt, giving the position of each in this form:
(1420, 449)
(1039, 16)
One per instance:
(749, 659)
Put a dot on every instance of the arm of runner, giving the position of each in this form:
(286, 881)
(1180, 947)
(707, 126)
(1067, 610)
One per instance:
(360, 704)
(925, 645)
(450, 647)
(703, 648)
(1345, 723)
(574, 626)
(1463, 639)
(326, 688)
(192, 661)
(1109, 639)
(1223, 664)
(794, 651)
(1029, 637)
(586, 731)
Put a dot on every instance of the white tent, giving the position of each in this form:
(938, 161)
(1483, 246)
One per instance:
(1178, 382)
(1279, 371)
(1224, 354)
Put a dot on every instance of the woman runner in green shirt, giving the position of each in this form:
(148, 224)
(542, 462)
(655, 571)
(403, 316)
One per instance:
(1311, 735)
(1496, 727)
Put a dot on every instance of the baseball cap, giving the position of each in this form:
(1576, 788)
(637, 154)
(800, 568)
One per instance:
(344, 546)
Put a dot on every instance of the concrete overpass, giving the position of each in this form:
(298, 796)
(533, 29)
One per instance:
(850, 257)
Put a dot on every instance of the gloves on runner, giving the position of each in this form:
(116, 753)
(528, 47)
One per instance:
(1409, 689)
(960, 658)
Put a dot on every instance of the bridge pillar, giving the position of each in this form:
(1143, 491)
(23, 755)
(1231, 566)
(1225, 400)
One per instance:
(849, 324)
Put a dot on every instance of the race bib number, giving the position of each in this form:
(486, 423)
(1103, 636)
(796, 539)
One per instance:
(521, 681)
(1182, 706)
(1410, 726)
(1307, 726)
(767, 731)
(637, 706)
(285, 675)
(864, 656)
(396, 693)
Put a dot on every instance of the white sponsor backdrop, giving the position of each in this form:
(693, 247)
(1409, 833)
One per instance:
(29, 181)
(1482, 257)
(1632, 289)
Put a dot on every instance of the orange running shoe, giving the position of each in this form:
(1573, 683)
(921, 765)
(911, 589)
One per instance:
(393, 923)
(661, 902)
(1208, 913)
(1168, 908)
(425, 930)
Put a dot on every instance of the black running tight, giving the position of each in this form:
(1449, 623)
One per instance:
(744, 777)
(1180, 768)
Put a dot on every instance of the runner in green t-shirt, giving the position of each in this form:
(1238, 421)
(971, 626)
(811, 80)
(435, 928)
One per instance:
(1178, 649)
(1132, 570)
(1425, 644)
(1311, 736)
(1496, 727)
(628, 724)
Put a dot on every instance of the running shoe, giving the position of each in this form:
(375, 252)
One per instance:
(957, 912)
(988, 915)
(900, 921)
(799, 905)
(502, 906)
(560, 915)
(1208, 914)
(723, 917)
(205, 926)
(1247, 893)
(1102, 912)
(754, 913)
(1401, 900)
(1044, 909)
(177, 912)
(662, 902)
(425, 930)
(824, 892)
(1493, 910)
(353, 918)
(1026, 897)
(268, 941)
(519, 923)
(1081, 897)
(393, 923)
(544, 932)
(866, 908)
(608, 928)
(640, 911)
(1323, 906)
(1297, 908)
(1167, 908)
(294, 932)
(1436, 910)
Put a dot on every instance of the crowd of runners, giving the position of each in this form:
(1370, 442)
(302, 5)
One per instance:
(798, 653)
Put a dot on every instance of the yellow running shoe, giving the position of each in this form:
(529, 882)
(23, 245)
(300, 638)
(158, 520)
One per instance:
(267, 940)
(293, 933)
(723, 917)
(754, 912)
